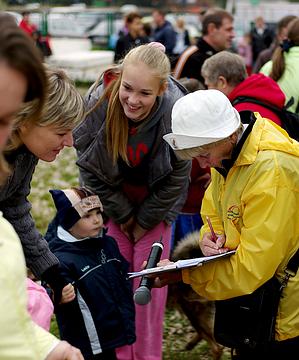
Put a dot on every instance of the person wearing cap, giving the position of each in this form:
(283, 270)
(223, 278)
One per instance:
(101, 317)
(252, 202)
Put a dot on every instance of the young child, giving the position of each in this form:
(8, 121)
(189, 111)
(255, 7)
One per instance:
(101, 317)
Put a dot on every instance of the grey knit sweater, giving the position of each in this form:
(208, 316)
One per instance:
(16, 209)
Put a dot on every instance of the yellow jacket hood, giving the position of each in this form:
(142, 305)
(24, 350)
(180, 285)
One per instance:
(266, 135)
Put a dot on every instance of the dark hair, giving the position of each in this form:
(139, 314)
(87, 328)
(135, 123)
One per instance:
(159, 11)
(132, 16)
(278, 61)
(284, 22)
(20, 53)
(215, 17)
(147, 28)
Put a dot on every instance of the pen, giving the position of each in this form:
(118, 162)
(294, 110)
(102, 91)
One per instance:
(214, 237)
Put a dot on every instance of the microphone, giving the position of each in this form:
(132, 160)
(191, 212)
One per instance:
(142, 295)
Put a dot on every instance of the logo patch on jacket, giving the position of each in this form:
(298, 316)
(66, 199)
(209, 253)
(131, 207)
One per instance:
(103, 257)
(233, 213)
(87, 267)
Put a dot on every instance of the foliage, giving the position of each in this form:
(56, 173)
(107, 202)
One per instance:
(62, 173)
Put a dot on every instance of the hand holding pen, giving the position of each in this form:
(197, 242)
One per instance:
(212, 244)
(214, 236)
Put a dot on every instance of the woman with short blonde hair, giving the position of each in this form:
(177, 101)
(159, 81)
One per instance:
(34, 138)
(22, 79)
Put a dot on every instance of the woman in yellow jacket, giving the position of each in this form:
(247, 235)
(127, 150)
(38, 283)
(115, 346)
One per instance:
(252, 201)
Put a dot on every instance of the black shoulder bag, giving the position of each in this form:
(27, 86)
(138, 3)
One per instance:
(289, 120)
(248, 321)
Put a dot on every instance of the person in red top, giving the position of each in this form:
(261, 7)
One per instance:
(226, 72)
(42, 42)
(26, 25)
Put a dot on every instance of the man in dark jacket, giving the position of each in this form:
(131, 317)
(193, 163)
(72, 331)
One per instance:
(164, 32)
(217, 35)
(261, 37)
(133, 38)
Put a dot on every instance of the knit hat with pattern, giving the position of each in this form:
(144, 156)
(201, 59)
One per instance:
(72, 204)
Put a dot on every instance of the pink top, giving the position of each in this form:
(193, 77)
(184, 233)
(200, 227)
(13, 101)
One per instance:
(39, 305)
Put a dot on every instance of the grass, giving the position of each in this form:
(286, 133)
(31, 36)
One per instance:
(63, 173)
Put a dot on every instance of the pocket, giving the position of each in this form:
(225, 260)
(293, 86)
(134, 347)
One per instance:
(249, 320)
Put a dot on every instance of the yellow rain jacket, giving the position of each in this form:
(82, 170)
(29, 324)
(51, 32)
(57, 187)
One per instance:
(257, 207)
(20, 337)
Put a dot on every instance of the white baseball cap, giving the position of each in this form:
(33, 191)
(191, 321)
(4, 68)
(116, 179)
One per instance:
(201, 118)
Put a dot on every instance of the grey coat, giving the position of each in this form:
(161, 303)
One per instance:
(16, 209)
(168, 177)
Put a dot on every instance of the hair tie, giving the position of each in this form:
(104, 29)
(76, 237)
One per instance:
(286, 45)
(157, 45)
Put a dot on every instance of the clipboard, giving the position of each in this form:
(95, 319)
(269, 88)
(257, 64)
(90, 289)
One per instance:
(180, 264)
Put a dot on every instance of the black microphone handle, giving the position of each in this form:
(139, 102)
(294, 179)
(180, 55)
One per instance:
(142, 295)
(155, 255)
(152, 261)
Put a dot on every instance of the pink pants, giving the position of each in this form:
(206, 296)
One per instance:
(149, 318)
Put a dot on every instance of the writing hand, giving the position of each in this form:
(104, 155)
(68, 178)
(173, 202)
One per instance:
(210, 247)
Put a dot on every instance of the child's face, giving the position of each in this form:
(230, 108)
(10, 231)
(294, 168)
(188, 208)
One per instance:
(88, 226)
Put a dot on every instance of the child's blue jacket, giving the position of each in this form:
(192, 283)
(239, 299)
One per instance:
(102, 316)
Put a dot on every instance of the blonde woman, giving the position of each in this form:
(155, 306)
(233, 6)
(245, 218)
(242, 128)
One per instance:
(33, 139)
(123, 159)
(22, 78)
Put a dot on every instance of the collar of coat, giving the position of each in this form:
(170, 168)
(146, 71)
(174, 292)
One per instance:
(228, 163)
